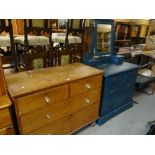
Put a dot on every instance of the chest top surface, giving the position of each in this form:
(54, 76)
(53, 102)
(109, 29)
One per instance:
(30, 81)
(112, 69)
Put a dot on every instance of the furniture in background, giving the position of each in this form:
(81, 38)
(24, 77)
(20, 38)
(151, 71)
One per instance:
(89, 27)
(140, 30)
(65, 99)
(152, 26)
(119, 77)
(6, 123)
(146, 73)
(122, 33)
(7, 47)
(18, 26)
(69, 46)
(36, 51)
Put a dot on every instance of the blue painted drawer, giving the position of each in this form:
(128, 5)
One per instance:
(114, 103)
(113, 82)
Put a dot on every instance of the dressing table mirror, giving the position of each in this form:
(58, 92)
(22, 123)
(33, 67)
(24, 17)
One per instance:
(102, 47)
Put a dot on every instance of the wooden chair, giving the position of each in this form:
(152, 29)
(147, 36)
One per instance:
(36, 42)
(70, 45)
(7, 46)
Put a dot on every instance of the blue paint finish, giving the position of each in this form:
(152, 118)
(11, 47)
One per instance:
(118, 88)
(104, 118)
(118, 81)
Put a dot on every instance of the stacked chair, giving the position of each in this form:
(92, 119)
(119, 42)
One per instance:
(69, 46)
(35, 46)
(7, 46)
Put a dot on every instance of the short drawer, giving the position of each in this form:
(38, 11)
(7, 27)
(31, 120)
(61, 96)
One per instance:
(85, 85)
(5, 118)
(85, 116)
(42, 117)
(84, 100)
(60, 127)
(41, 99)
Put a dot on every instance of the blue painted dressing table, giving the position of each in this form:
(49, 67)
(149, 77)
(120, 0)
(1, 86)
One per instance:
(119, 76)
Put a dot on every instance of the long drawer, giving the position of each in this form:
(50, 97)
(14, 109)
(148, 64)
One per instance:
(70, 123)
(60, 127)
(85, 85)
(5, 118)
(108, 105)
(41, 99)
(120, 82)
(43, 116)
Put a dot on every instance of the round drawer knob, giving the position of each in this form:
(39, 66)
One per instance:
(48, 116)
(47, 99)
(88, 86)
(114, 80)
(87, 101)
(113, 93)
(129, 85)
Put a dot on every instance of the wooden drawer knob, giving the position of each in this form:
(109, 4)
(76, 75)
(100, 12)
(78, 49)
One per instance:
(87, 101)
(88, 86)
(48, 116)
(114, 80)
(113, 93)
(47, 99)
(129, 85)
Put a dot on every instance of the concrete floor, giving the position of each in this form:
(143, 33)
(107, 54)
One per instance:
(130, 122)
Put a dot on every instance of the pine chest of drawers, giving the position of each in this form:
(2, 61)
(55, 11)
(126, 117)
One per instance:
(6, 123)
(56, 100)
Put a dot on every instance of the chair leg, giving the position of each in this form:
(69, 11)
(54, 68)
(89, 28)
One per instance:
(153, 88)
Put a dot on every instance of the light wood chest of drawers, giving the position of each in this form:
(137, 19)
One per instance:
(6, 124)
(57, 100)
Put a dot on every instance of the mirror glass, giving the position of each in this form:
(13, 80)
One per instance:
(103, 37)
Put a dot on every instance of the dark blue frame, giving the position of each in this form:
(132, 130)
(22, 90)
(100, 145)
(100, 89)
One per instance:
(94, 57)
